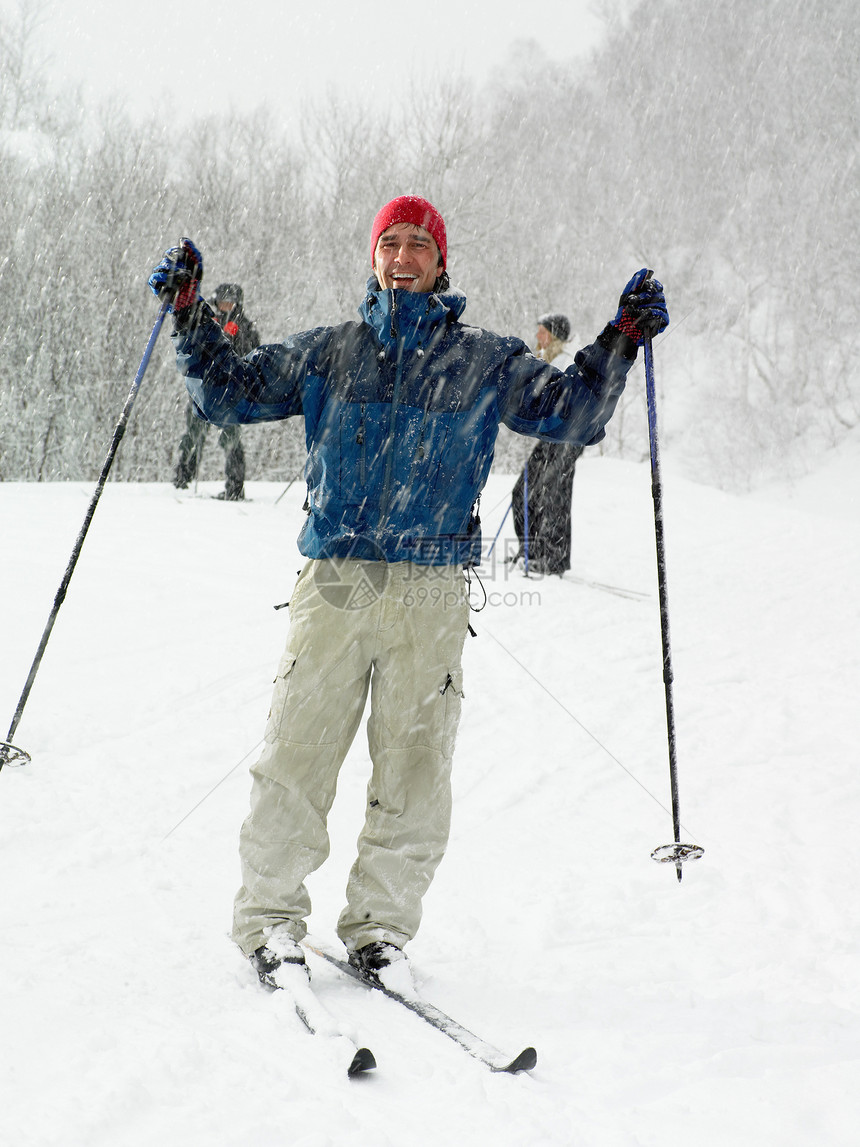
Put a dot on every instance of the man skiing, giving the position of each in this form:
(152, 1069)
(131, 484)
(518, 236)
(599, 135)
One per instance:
(401, 410)
(548, 474)
(229, 313)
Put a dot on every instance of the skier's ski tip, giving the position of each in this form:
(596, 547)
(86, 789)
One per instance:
(490, 1056)
(525, 1061)
(362, 1061)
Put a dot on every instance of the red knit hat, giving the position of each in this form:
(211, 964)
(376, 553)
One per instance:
(410, 209)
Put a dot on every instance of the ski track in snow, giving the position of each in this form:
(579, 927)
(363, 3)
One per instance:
(720, 1011)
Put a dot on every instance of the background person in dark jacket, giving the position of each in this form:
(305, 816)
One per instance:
(551, 467)
(229, 314)
(401, 412)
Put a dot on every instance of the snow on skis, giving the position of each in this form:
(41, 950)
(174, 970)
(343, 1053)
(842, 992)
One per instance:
(485, 1052)
(292, 984)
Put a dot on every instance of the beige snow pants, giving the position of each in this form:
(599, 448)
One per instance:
(397, 630)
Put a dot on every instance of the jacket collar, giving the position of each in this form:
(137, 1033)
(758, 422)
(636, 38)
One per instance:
(407, 319)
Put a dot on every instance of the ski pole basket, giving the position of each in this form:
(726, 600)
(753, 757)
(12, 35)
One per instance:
(11, 755)
(677, 853)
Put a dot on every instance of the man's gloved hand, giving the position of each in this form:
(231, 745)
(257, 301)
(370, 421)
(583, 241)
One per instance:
(177, 277)
(642, 308)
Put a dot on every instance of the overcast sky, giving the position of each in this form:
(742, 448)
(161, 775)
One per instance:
(190, 57)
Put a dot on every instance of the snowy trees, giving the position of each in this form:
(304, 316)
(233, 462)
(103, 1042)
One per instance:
(742, 135)
(714, 141)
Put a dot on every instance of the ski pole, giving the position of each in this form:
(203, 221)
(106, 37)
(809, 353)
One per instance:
(526, 518)
(291, 481)
(8, 752)
(676, 852)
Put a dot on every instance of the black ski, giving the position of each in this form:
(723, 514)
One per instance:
(605, 587)
(494, 1059)
(318, 1019)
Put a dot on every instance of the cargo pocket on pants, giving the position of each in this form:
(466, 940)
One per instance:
(452, 693)
(280, 697)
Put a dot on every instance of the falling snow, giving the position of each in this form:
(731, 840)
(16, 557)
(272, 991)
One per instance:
(721, 1010)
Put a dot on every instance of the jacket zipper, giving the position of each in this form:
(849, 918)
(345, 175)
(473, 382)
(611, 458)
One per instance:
(360, 439)
(393, 328)
(385, 496)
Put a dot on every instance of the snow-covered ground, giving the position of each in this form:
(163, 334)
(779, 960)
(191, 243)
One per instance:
(724, 1010)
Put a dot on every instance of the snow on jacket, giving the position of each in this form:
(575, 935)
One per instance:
(402, 411)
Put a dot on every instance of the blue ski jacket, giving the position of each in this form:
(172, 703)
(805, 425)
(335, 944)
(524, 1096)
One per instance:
(402, 411)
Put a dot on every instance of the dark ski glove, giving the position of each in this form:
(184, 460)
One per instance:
(642, 308)
(178, 276)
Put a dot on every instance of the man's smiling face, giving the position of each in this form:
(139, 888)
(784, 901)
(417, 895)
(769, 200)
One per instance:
(407, 258)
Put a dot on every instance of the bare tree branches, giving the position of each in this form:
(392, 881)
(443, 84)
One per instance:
(714, 141)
